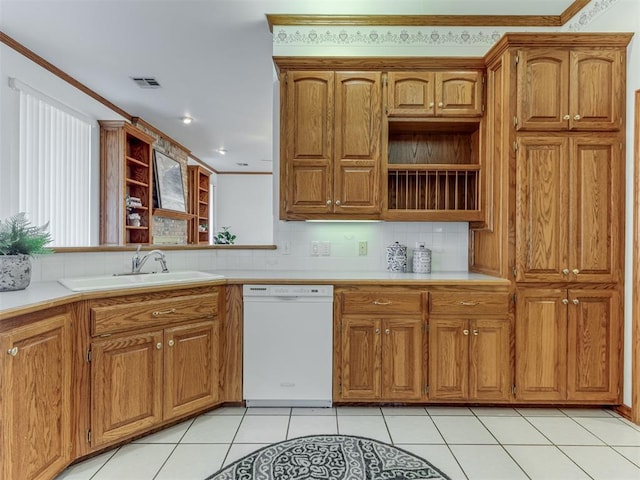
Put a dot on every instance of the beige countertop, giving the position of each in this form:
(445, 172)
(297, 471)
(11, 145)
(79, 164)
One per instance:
(49, 294)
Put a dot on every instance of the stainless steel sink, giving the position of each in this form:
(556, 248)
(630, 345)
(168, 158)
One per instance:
(109, 282)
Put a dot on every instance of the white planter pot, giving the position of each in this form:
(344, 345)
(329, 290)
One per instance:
(15, 272)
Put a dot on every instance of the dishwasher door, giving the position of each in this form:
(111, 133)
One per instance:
(288, 350)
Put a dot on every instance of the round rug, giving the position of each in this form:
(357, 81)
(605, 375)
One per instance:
(329, 457)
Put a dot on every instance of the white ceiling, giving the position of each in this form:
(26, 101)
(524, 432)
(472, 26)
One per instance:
(212, 58)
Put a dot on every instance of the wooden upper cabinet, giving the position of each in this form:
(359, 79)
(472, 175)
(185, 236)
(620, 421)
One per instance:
(331, 139)
(428, 94)
(570, 89)
(568, 221)
(357, 135)
(307, 137)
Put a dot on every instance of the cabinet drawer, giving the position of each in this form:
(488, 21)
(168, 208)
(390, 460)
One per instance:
(468, 303)
(380, 302)
(134, 315)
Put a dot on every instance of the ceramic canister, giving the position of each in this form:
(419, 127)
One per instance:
(421, 259)
(396, 258)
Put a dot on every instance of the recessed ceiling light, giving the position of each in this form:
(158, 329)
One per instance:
(186, 119)
(222, 151)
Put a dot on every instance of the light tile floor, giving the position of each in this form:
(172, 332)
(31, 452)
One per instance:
(465, 443)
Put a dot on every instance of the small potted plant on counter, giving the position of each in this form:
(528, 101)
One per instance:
(225, 237)
(19, 240)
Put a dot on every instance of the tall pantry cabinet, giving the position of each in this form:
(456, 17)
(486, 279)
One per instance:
(555, 123)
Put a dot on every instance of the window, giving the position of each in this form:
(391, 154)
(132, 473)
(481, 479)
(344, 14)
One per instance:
(54, 172)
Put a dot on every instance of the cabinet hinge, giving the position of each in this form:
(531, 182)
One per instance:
(515, 121)
(515, 271)
(515, 146)
(426, 389)
(89, 356)
(515, 298)
(89, 436)
(517, 59)
(340, 388)
(483, 107)
(384, 80)
(513, 390)
(386, 110)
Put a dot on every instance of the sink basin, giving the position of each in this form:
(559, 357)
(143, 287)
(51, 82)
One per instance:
(109, 282)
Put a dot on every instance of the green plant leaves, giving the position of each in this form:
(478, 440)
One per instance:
(19, 237)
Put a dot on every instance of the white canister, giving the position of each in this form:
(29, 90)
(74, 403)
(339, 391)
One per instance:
(396, 258)
(421, 259)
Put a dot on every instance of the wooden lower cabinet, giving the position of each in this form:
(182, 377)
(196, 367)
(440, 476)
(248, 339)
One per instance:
(568, 345)
(469, 359)
(140, 380)
(35, 397)
(381, 359)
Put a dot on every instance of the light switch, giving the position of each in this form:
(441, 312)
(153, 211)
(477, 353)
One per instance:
(325, 249)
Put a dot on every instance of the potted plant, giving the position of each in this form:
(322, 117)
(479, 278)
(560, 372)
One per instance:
(19, 240)
(225, 237)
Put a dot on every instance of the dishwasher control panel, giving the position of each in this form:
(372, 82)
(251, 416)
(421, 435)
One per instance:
(287, 290)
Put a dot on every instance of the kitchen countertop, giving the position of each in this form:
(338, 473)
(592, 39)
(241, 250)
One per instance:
(49, 294)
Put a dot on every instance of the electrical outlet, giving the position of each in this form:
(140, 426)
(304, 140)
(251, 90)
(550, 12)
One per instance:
(325, 249)
(362, 248)
(315, 248)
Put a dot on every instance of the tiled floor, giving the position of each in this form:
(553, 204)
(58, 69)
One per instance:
(465, 443)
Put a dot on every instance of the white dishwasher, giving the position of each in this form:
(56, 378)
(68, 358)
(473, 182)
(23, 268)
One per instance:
(288, 345)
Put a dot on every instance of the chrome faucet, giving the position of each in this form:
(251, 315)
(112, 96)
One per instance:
(137, 262)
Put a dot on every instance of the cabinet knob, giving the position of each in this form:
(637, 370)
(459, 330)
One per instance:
(377, 331)
(440, 104)
(159, 346)
(576, 301)
(171, 343)
(575, 271)
(566, 117)
(328, 202)
(565, 271)
(577, 117)
(13, 351)
(565, 301)
(430, 104)
(465, 331)
(338, 203)
(475, 331)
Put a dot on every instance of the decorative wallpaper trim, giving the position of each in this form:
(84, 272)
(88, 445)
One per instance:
(357, 36)
(587, 14)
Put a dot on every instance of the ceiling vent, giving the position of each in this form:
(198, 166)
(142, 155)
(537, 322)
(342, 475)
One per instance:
(146, 82)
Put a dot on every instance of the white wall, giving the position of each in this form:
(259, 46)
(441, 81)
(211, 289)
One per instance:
(243, 203)
(624, 16)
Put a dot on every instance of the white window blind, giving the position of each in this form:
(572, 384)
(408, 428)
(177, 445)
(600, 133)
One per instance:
(55, 168)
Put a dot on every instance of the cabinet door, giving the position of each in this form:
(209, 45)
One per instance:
(361, 374)
(459, 94)
(190, 368)
(594, 346)
(543, 89)
(126, 386)
(358, 139)
(402, 359)
(35, 398)
(307, 142)
(542, 207)
(541, 345)
(596, 98)
(448, 359)
(411, 93)
(595, 232)
(489, 359)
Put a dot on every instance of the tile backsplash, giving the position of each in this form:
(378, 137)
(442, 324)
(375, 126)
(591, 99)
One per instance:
(447, 240)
